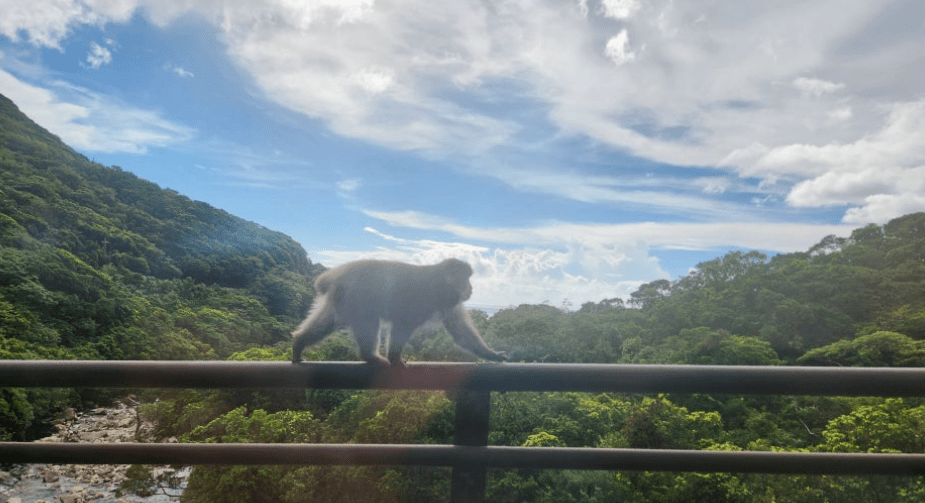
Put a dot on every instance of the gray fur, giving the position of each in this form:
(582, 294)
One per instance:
(375, 296)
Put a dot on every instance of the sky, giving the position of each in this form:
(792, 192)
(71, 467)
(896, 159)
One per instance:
(569, 150)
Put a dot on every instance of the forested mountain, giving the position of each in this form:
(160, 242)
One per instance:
(97, 263)
(744, 308)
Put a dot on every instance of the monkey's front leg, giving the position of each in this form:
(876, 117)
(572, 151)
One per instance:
(459, 324)
(398, 337)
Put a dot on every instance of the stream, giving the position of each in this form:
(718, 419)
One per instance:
(45, 483)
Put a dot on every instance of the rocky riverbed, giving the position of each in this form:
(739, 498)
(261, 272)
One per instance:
(97, 483)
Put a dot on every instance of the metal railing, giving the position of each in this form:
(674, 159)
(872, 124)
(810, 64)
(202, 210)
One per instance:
(470, 456)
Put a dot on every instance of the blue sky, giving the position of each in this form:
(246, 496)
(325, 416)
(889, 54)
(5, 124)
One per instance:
(570, 151)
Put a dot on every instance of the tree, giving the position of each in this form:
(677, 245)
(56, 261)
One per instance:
(879, 349)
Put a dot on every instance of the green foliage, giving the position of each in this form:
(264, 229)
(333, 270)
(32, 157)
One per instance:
(178, 412)
(886, 426)
(594, 334)
(258, 426)
(703, 346)
(16, 413)
(138, 481)
(543, 439)
(528, 333)
(575, 419)
(235, 484)
(656, 423)
(394, 417)
(879, 349)
(367, 417)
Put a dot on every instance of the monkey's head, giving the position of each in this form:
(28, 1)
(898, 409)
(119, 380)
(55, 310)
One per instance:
(457, 274)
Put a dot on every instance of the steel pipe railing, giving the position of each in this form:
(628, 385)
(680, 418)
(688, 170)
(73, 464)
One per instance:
(768, 380)
(571, 458)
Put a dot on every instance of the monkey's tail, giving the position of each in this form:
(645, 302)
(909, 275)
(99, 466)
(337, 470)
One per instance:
(323, 284)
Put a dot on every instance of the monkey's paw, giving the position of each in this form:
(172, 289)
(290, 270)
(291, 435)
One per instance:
(500, 356)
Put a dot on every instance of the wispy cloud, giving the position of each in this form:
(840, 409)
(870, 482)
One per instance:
(778, 237)
(656, 192)
(180, 71)
(243, 165)
(90, 121)
(566, 261)
(99, 55)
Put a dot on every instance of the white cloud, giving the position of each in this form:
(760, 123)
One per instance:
(91, 122)
(574, 262)
(880, 208)
(714, 184)
(503, 277)
(180, 71)
(878, 174)
(346, 188)
(98, 56)
(617, 49)
(816, 87)
(841, 114)
(834, 188)
(47, 22)
(374, 72)
(42, 106)
(874, 195)
(43, 23)
(373, 80)
(620, 9)
(349, 185)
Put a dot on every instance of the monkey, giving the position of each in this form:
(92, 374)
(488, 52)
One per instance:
(377, 299)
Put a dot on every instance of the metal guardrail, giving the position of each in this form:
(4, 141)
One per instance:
(760, 380)
(473, 382)
(571, 458)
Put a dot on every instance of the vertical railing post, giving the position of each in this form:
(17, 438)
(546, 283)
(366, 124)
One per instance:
(472, 408)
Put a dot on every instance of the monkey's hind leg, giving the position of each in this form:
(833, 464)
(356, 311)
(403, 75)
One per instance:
(316, 326)
(366, 334)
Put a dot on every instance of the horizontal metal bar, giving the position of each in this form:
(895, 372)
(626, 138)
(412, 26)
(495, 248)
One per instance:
(449, 455)
(781, 380)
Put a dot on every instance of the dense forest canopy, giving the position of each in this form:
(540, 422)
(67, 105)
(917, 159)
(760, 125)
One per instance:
(96, 263)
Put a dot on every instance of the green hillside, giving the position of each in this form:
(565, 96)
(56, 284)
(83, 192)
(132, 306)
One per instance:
(98, 263)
